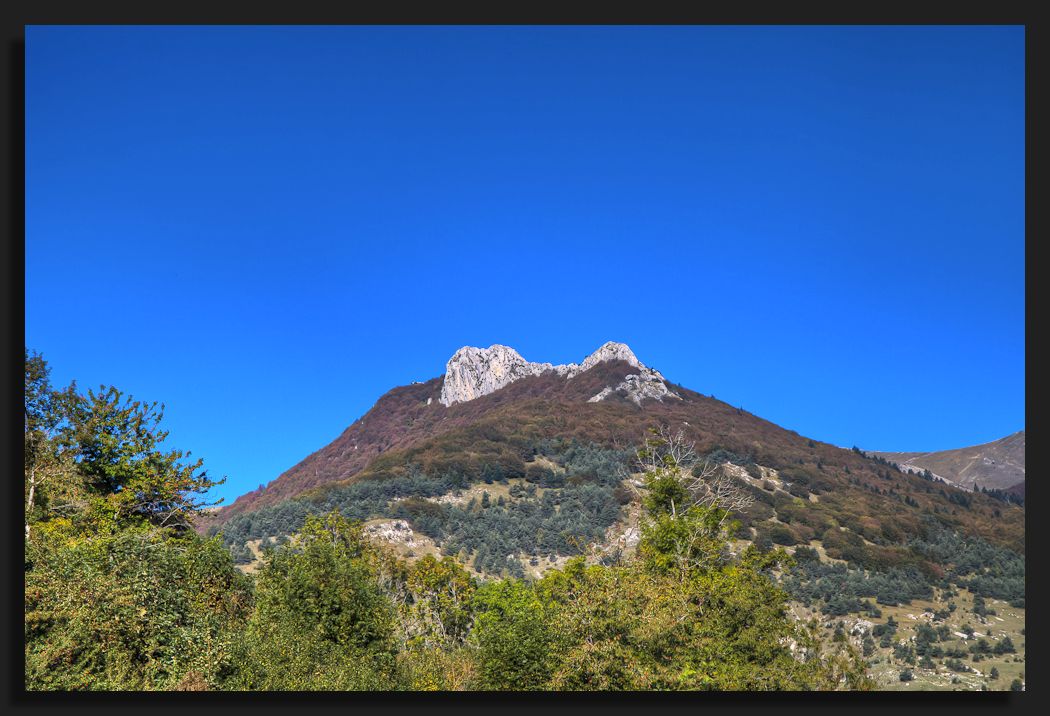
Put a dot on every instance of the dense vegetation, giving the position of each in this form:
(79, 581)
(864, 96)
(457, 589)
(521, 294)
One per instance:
(121, 594)
(984, 569)
(841, 587)
(581, 497)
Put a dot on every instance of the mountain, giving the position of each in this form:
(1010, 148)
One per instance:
(549, 444)
(408, 414)
(995, 465)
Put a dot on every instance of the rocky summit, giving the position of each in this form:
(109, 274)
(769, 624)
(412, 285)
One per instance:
(473, 372)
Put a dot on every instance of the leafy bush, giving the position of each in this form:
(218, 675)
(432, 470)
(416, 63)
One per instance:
(132, 610)
(321, 619)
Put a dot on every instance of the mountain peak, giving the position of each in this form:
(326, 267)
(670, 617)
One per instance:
(473, 372)
(611, 350)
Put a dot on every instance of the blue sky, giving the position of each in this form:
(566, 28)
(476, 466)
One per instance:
(266, 228)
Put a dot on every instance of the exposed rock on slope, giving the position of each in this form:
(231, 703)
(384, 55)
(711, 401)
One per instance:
(504, 429)
(474, 372)
(638, 387)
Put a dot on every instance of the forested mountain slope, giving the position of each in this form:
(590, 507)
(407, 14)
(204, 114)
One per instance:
(410, 454)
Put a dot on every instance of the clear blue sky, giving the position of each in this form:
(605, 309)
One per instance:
(266, 228)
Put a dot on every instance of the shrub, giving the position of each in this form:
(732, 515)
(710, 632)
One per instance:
(783, 535)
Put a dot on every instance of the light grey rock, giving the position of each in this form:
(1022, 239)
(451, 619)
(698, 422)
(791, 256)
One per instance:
(638, 387)
(396, 532)
(611, 351)
(473, 372)
(861, 627)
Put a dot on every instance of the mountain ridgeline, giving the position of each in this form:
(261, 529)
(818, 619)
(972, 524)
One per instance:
(998, 465)
(550, 448)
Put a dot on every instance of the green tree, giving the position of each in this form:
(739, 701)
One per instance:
(116, 441)
(322, 618)
(686, 615)
(115, 596)
(513, 637)
(97, 458)
(686, 506)
(50, 481)
(440, 610)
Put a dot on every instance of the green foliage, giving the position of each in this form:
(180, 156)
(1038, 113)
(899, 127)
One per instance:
(441, 609)
(321, 620)
(574, 510)
(116, 443)
(629, 627)
(665, 493)
(985, 569)
(52, 486)
(693, 538)
(425, 668)
(1004, 646)
(680, 532)
(685, 615)
(107, 449)
(135, 610)
(841, 586)
(513, 636)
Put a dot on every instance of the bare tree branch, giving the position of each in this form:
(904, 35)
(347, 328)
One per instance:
(710, 484)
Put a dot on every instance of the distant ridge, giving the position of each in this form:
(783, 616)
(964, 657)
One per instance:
(996, 465)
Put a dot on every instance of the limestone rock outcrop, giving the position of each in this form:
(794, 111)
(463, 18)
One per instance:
(637, 388)
(472, 372)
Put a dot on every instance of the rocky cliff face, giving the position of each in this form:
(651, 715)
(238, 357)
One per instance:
(473, 372)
